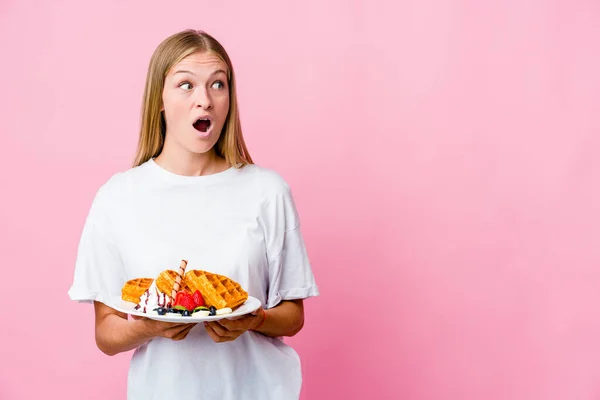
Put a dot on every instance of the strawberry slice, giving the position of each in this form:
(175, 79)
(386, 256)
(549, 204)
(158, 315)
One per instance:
(198, 299)
(186, 300)
(178, 297)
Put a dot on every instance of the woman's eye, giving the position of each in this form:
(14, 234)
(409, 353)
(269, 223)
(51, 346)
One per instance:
(186, 86)
(218, 85)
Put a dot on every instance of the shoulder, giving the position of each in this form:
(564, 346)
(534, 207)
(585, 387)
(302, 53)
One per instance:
(269, 181)
(118, 186)
(109, 190)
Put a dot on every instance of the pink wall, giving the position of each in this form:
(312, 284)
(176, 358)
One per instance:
(443, 155)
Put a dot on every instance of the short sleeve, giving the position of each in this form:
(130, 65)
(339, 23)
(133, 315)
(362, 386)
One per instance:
(98, 274)
(290, 273)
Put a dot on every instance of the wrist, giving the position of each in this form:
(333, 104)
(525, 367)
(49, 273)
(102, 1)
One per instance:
(260, 318)
(141, 330)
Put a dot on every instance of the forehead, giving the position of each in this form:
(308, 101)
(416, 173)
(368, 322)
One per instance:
(198, 63)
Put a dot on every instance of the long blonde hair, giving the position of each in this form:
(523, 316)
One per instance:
(173, 49)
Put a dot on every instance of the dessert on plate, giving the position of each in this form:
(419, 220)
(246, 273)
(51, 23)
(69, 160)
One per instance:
(195, 292)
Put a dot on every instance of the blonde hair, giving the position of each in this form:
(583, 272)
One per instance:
(172, 50)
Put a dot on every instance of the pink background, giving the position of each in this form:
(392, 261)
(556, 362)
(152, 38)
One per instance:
(444, 159)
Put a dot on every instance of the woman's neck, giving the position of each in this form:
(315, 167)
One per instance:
(190, 164)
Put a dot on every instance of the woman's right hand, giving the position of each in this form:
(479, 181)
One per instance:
(116, 334)
(169, 330)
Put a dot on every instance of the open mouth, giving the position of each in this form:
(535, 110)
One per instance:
(202, 124)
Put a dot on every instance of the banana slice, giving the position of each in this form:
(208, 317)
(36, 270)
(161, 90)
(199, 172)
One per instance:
(201, 313)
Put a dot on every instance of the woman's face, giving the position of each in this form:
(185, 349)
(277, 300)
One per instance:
(196, 102)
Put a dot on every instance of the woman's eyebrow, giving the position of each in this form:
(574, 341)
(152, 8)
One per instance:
(219, 71)
(183, 71)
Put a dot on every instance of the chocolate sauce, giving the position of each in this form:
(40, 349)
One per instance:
(146, 302)
(160, 303)
(164, 301)
(138, 306)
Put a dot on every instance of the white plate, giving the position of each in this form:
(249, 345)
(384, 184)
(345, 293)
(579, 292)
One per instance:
(126, 307)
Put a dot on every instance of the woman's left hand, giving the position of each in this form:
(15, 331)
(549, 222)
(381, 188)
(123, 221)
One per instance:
(226, 330)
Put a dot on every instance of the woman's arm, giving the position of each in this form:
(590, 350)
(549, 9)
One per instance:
(285, 319)
(116, 334)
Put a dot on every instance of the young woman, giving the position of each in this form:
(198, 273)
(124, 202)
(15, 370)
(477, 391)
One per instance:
(195, 194)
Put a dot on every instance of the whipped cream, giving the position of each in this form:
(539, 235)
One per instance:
(153, 298)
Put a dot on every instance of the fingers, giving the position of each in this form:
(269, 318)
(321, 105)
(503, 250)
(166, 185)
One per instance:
(239, 324)
(211, 332)
(178, 327)
(183, 333)
(219, 334)
(168, 330)
(232, 325)
(211, 329)
(225, 330)
(220, 330)
(173, 325)
(178, 332)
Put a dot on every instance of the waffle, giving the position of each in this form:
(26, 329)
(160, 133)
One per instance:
(166, 281)
(217, 290)
(135, 288)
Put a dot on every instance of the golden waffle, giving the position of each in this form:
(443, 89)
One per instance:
(217, 290)
(135, 288)
(166, 280)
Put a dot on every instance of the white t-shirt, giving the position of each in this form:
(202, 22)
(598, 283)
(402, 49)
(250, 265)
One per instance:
(241, 223)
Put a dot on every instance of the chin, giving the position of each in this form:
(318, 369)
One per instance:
(197, 150)
(201, 149)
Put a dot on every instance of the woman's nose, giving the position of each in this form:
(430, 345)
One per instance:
(202, 99)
